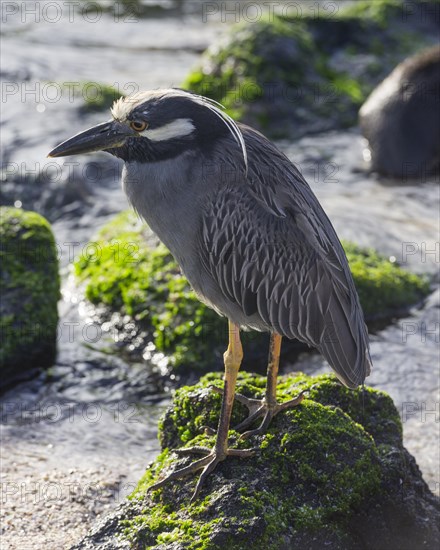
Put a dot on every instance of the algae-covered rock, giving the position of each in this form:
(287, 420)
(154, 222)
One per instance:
(309, 71)
(135, 275)
(29, 287)
(331, 472)
(384, 288)
(400, 119)
(98, 96)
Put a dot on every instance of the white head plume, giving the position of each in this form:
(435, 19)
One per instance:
(218, 109)
(123, 106)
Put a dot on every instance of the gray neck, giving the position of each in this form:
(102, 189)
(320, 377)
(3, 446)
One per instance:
(169, 196)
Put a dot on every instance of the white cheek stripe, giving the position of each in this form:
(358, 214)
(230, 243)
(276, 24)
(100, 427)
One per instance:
(175, 129)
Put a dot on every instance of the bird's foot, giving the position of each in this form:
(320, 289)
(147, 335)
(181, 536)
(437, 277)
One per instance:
(262, 408)
(207, 464)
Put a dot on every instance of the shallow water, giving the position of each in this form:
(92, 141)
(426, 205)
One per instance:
(93, 407)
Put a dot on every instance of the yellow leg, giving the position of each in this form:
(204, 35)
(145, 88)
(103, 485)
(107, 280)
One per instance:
(232, 360)
(267, 407)
(272, 368)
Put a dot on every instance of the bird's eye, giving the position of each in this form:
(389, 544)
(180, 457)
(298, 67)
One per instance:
(138, 125)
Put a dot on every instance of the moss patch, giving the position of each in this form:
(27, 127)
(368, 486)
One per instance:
(313, 470)
(134, 275)
(382, 286)
(294, 75)
(379, 11)
(96, 96)
(236, 74)
(29, 286)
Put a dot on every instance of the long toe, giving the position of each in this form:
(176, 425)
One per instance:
(242, 453)
(206, 471)
(292, 402)
(250, 402)
(207, 464)
(253, 415)
(267, 411)
(263, 426)
(182, 472)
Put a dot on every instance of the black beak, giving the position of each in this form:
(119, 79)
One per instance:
(108, 135)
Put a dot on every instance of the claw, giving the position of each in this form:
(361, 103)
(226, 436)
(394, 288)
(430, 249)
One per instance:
(267, 411)
(206, 471)
(260, 408)
(181, 473)
(207, 463)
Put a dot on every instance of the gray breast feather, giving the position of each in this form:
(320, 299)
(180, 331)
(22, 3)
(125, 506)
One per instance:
(273, 252)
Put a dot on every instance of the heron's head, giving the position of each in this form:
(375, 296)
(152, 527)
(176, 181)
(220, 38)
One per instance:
(156, 125)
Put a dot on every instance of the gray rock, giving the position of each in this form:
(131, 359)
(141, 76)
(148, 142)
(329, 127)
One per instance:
(330, 473)
(400, 119)
(29, 287)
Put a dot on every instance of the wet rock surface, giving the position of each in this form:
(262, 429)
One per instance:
(75, 437)
(400, 118)
(338, 442)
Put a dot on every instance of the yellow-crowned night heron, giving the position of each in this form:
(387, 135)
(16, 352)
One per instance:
(248, 233)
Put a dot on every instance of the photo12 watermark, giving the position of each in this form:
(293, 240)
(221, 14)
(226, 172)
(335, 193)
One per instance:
(121, 412)
(71, 11)
(422, 251)
(59, 171)
(40, 92)
(421, 331)
(113, 251)
(252, 12)
(421, 411)
(52, 492)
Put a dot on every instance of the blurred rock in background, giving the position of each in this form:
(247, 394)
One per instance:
(401, 118)
(30, 290)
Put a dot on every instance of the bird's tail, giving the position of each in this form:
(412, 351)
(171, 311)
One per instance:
(344, 342)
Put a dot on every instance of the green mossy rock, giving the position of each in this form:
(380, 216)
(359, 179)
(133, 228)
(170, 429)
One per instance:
(93, 96)
(289, 76)
(30, 289)
(135, 275)
(98, 96)
(331, 472)
(384, 288)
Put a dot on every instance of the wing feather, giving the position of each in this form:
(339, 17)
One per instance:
(275, 254)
